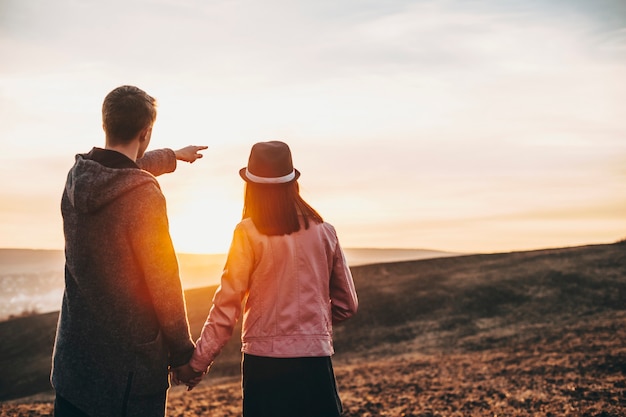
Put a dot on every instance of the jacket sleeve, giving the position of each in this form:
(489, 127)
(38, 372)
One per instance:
(158, 162)
(227, 301)
(153, 248)
(343, 298)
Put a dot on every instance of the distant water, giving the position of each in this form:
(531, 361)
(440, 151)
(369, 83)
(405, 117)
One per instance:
(32, 280)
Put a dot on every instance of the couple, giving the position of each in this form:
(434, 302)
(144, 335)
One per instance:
(123, 326)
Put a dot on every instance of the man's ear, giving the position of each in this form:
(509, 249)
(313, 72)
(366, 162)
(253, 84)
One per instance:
(145, 133)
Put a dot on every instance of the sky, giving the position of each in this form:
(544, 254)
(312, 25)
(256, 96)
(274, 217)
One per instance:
(460, 125)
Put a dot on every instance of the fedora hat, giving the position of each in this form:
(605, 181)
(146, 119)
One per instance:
(269, 163)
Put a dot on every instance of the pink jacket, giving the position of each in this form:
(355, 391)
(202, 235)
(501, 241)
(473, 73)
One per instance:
(292, 287)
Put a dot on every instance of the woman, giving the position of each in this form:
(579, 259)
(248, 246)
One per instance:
(286, 265)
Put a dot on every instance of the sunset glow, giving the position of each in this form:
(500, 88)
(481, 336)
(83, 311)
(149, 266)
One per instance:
(438, 125)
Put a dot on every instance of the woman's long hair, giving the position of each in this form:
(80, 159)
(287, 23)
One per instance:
(276, 209)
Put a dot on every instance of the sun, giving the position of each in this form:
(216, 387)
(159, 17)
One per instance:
(204, 225)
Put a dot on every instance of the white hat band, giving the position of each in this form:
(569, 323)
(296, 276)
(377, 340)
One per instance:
(266, 180)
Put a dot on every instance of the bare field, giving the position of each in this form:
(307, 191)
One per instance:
(538, 333)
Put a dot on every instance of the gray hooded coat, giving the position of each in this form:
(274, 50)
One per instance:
(123, 318)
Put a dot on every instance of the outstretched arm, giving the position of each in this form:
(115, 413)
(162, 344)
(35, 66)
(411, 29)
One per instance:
(163, 161)
(190, 153)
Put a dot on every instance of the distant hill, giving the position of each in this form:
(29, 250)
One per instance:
(451, 304)
(370, 256)
(31, 280)
(199, 270)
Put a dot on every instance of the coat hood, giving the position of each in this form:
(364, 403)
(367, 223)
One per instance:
(91, 186)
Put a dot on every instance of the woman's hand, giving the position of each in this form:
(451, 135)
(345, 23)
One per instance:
(187, 375)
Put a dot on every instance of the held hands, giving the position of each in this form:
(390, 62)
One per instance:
(190, 153)
(185, 374)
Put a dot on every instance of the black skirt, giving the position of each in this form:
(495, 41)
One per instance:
(289, 387)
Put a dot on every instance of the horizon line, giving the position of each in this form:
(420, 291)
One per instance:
(374, 248)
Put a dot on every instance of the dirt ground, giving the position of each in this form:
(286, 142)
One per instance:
(540, 333)
(579, 370)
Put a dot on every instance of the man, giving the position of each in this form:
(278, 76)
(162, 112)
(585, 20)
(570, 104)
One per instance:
(123, 320)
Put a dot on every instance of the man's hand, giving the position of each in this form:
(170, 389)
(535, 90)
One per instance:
(187, 375)
(190, 153)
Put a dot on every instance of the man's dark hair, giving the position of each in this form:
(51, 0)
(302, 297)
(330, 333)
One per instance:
(125, 112)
